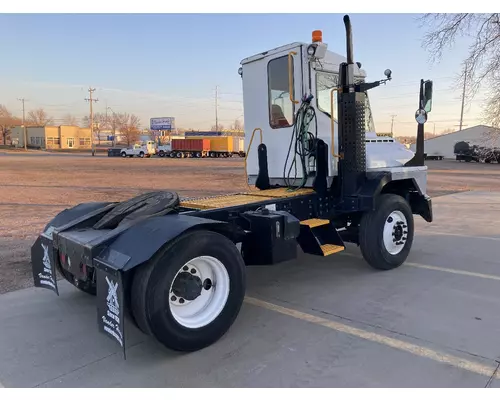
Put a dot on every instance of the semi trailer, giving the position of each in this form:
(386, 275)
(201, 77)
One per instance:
(223, 146)
(190, 148)
(176, 267)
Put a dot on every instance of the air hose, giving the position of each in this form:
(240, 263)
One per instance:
(303, 142)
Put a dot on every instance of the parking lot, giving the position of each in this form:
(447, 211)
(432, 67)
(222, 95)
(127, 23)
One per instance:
(312, 322)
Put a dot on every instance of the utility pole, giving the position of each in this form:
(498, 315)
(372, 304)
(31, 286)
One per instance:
(463, 101)
(24, 126)
(392, 122)
(216, 108)
(91, 100)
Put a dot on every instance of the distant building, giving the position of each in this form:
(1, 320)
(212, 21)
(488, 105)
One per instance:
(52, 137)
(481, 135)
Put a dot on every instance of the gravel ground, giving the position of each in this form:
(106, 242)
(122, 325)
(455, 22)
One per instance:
(35, 188)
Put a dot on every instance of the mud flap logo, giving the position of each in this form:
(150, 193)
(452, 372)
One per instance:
(110, 306)
(44, 272)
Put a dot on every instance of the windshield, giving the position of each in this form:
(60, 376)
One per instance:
(325, 81)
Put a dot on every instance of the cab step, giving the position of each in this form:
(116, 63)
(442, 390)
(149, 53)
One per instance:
(319, 237)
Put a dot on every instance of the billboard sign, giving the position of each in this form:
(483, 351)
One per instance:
(162, 124)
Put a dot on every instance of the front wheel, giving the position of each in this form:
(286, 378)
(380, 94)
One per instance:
(386, 233)
(190, 294)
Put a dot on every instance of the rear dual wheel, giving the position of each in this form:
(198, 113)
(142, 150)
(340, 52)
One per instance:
(190, 294)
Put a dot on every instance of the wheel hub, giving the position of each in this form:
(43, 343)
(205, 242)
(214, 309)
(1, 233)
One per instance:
(199, 292)
(395, 232)
(187, 286)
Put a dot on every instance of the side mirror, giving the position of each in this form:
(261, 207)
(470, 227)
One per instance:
(388, 73)
(428, 96)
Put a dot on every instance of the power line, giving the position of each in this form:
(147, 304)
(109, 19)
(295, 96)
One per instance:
(91, 101)
(22, 100)
(463, 101)
(216, 108)
(392, 122)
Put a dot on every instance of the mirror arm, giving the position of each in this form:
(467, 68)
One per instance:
(363, 87)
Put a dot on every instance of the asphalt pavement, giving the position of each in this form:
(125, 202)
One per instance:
(311, 322)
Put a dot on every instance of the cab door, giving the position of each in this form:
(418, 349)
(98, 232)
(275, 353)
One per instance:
(285, 88)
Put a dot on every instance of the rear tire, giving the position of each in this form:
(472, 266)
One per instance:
(386, 234)
(123, 154)
(161, 311)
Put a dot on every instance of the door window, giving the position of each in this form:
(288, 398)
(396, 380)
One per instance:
(281, 108)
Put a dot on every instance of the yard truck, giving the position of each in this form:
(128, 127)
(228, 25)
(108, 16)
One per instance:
(176, 267)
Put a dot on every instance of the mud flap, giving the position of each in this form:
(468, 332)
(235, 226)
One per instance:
(43, 266)
(110, 305)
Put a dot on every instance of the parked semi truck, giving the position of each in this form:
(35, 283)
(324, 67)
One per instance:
(176, 267)
(465, 151)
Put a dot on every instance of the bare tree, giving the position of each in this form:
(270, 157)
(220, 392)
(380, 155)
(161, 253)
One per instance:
(218, 128)
(39, 117)
(482, 64)
(7, 121)
(102, 121)
(69, 120)
(129, 126)
(237, 125)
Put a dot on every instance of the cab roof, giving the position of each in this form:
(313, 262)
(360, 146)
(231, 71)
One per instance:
(331, 62)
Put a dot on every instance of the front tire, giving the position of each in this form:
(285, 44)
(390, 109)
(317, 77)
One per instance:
(190, 294)
(386, 233)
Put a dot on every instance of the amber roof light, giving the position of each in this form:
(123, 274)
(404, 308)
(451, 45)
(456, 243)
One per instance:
(317, 36)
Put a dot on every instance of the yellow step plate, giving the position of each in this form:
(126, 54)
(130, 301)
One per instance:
(328, 249)
(314, 222)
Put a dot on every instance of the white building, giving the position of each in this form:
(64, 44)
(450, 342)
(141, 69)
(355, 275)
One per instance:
(481, 135)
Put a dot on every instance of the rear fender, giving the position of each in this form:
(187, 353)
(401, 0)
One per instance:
(142, 240)
(70, 214)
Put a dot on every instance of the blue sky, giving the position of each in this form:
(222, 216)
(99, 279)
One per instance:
(158, 65)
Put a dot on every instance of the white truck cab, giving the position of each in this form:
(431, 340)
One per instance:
(140, 150)
(274, 84)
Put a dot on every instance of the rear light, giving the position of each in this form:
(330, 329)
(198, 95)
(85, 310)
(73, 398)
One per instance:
(62, 258)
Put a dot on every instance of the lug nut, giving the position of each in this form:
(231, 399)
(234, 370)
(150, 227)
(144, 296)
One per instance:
(390, 219)
(193, 271)
(173, 298)
(181, 300)
(185, 268)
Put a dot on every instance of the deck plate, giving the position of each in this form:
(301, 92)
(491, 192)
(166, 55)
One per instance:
(239, 199)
